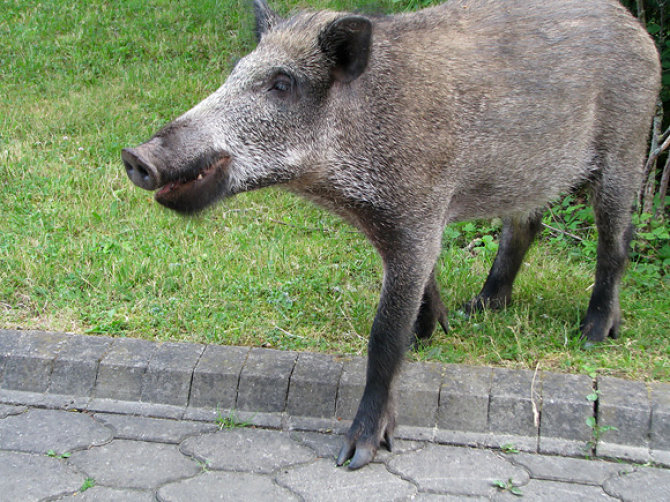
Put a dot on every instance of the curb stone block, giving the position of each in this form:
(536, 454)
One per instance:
(351, 387)
(515, 398)
(624, 405)
(75, 368)
(29, 362)
(168, 377)
(660, 416)
(122, 369)
(216, 377)
(565, 409)
(464, 398)
(264, 380)
(313, 386)
(417, 389)
(9, 340)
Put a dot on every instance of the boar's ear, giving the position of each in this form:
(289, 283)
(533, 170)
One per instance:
(266, 18)
(346, 42)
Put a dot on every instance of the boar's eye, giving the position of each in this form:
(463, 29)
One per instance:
(281, 85)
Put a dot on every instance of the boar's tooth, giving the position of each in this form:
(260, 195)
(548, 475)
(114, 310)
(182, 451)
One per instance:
(199, 176)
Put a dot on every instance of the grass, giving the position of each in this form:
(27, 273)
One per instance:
(82, 250)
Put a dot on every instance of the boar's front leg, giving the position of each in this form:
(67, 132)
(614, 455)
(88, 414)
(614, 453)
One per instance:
(406, 274)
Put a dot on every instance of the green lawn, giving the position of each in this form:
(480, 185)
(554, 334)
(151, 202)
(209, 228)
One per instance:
(83, 250)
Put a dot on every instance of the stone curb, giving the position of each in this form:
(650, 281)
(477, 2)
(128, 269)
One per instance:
(493, 407)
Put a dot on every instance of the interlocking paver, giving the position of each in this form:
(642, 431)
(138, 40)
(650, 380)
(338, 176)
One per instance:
(554, 491)
(225, 486)
(28, 477)
(106, 494)
(644, 485)
(38, 431)
(456, 471)
(579, 470)
(157, 430)
(251, 450)
(134, 464)
(323, 481)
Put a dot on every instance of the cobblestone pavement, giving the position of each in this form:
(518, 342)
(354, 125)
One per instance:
(94, 418)
(50, 454)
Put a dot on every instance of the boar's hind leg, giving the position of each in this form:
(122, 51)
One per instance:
(406, 274)
(613, 219)
(431, 312)
(517, 236)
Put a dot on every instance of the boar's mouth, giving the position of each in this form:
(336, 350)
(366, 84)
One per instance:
(197, 190)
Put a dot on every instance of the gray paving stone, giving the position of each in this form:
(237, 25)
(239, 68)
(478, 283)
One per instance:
(168, 377)
(28, 478)
(624, 405)
(75, 368)
(351, 387)
(133, 464)
(313, 386)
(464, 398)
(28, 364)
(435, 497)
(264, 380)
(106, 494)
(122, 370)
(250, 450)
(565, 409)
(644, 485)
(153, 429)
(216, 376)
(323, 481)
(11, 409)
(456, 471)
(417, 391)
(512, 409)
(554, 491)
(225, 486)
(553, 468)
(38, 431)
(660, 416)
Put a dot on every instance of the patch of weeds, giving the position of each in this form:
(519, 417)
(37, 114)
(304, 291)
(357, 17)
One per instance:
(231, 421)
(88, 483)
(508, 486)
(53, 454)
(509, 448)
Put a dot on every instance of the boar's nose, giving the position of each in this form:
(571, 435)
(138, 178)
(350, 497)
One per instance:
(140, 170)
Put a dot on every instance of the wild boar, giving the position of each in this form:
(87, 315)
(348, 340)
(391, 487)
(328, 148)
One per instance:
(402, 124)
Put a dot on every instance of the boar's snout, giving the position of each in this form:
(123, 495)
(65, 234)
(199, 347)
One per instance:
(140, 170)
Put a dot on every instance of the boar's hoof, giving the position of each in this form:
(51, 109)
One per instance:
(362, 447)
(596, 329)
